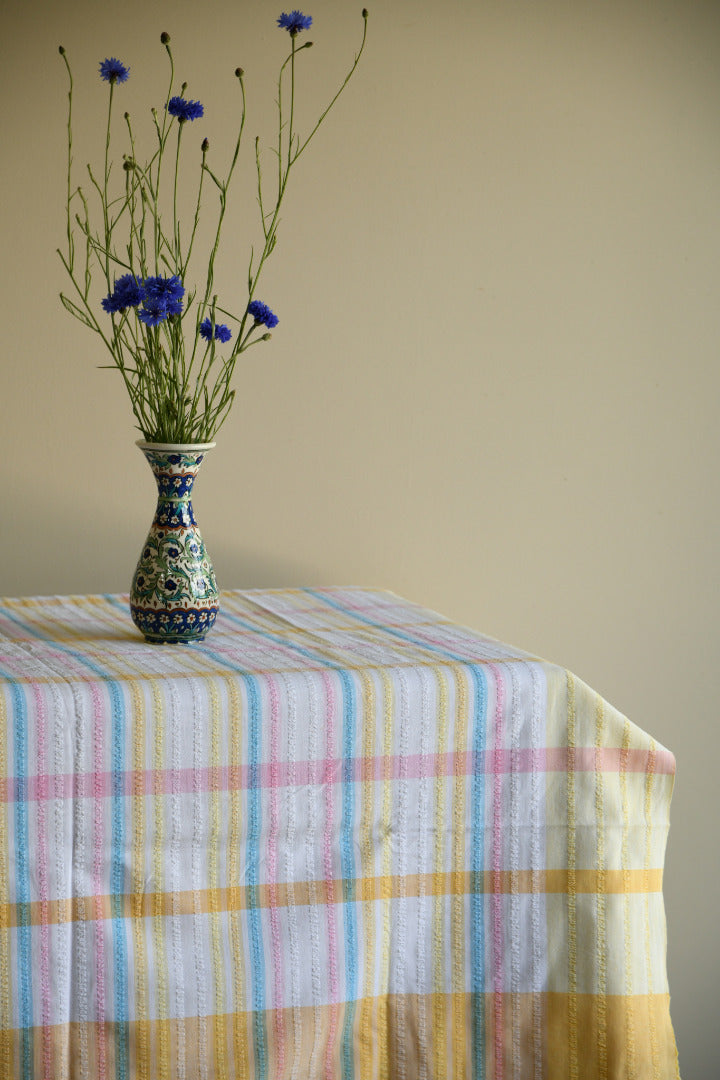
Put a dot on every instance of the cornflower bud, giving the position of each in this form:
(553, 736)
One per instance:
(61, 50)
(165, 38)
(239, 73)
(205, 146)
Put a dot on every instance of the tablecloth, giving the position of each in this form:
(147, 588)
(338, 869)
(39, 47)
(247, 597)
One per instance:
(341, 838)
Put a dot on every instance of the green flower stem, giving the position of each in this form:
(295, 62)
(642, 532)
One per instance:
(162, 137)
(142, 183)
(292, 101)
(106, 177)
(85, 306)
(178, 391)
(176, 225)
(70, 243)
(270, 233)
(348, 77)
(196, 219)
(208, 359)
(85, 228)
(223, 205)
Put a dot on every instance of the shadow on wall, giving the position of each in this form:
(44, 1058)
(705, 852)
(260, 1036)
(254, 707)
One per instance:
(240, 568)
(91, 545)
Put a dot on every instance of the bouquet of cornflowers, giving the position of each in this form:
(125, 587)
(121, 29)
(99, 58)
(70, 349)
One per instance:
(165, 337)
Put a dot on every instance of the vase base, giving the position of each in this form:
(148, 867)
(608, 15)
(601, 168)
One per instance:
(181, 626)
(170, 640)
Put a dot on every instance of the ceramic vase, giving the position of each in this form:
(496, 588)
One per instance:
(174, 596)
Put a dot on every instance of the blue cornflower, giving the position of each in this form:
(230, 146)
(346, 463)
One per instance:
(113, 71)
(127, 293)
(294, 22)
(184, 109)
(261, 313)
(166, 291)
(153, 311)
(222, 332)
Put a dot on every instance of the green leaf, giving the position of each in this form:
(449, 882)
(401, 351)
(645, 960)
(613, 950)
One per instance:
(76, 311)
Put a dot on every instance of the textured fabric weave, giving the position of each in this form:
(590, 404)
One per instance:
(342, 838)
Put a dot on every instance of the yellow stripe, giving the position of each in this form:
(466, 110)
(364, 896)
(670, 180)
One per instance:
(648, 952)
(366, 1041)
(556, 1015)
(239, 1028)
(656, 1008)
(157, 906)
(601, 1003)
(137, 879)
(385, 892)
(572, 889)
(110, 617)
(234, 898)
(137, 908)
(213, 878)
(439, 1003)
(629, 1017)
(134, 906)
(37, 616)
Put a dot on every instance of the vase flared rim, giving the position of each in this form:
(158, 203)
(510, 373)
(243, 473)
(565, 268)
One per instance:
(175, 448)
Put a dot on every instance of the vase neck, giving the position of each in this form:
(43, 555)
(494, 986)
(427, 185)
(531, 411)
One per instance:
(174, 470)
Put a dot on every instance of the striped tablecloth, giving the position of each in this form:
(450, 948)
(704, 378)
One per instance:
(342, 838)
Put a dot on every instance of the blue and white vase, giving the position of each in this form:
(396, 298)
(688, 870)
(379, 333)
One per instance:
(174, 596)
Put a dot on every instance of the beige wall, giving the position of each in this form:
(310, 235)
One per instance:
(494, 385)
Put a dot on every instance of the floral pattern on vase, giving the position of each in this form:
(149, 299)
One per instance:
(174, 596)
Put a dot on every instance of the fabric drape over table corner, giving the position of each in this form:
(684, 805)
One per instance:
(341, 838)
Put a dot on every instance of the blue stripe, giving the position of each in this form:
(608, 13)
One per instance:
(318, 658)
(12, 617)
(117, 849)
(117, 884)
(346, 825)
(347, 864)
(117, 861)
(252, 866)
(253, 873)
(22, 883)
(437, 649)
(477, 930)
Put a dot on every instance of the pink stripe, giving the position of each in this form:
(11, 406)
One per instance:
(42, 867)
(497, 867)
(329, 771)
(100, 720)
(330, 765)
(272, 875)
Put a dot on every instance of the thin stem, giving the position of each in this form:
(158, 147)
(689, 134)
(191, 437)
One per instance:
(196, 219)
(162, 139)
(223, 205)
(71, 245)
(176, 226)
(106, 176)
(346, 80)
(292, 101)
(173, 397)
